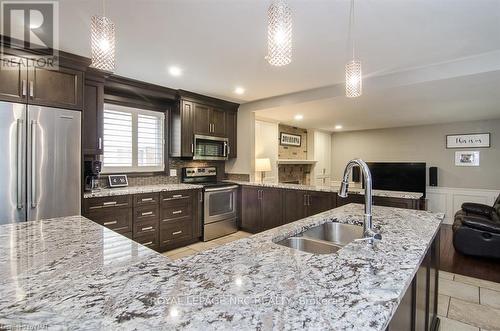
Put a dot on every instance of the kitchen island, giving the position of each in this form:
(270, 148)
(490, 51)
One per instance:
(71, 273)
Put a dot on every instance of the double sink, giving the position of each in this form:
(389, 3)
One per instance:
(326, 238)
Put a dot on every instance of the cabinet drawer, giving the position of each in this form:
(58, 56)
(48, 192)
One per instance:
(119, 201)
(145, 227)
(146, 199)
(175, 212)
(178, 230)
(175, 198)
(149, 240)
(119, 220)
(146, 213)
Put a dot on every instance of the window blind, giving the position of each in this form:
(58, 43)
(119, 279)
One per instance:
(133, 140)
(149, 141)
(117, 138)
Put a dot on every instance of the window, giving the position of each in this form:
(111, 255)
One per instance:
(133, 140)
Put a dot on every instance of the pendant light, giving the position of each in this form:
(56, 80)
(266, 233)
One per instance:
(279, 33)
(102, 39)
(353, 72)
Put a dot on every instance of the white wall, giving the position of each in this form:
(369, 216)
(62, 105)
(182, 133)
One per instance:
(245, 162)
(266, 146)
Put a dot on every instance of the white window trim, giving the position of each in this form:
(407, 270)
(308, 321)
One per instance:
(135, 168)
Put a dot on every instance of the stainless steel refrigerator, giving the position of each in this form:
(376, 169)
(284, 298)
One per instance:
(40, 160)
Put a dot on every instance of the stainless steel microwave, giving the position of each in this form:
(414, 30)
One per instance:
(210, 148)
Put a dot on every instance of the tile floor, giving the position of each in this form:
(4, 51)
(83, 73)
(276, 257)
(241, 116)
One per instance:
(467, 303)
(203, 246)
(464, 303)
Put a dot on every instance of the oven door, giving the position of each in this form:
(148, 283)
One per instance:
(220, 204)
(210, 148)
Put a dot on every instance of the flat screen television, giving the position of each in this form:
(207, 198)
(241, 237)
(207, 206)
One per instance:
(398, 176)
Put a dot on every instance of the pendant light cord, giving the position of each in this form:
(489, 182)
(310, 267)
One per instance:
(351, 28)
(103, 8)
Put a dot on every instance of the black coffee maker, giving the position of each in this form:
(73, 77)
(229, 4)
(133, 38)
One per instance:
(91, 172)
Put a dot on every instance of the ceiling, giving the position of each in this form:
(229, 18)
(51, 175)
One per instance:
(221, 44)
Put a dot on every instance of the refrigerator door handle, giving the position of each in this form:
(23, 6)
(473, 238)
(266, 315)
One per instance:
(33, 164)
(20, 203)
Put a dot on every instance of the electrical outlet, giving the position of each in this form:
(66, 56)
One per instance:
(173, 172)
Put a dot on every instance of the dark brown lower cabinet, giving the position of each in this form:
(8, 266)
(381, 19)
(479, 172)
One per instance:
(262, 208)
(300, 204)
(180, 218)
(416, 204)
(160, 221)
(318, 202)
(418, 309)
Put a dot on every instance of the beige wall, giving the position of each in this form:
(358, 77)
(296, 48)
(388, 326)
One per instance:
(266, 146)
(245, 162)
(423, 144)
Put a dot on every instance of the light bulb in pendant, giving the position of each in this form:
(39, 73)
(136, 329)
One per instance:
(279, 33)
(353, 79)
(102, 32)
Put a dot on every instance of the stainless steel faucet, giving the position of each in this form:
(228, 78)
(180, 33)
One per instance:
(344, 188)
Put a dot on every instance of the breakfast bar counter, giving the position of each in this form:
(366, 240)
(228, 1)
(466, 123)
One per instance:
(71, 273)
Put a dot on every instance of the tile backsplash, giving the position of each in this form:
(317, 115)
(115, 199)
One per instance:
(162, 178)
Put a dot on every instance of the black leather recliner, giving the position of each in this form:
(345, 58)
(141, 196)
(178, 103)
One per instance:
(476, 230)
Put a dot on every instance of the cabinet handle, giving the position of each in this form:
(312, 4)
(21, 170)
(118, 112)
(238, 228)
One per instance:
(147, 199)
(147, 213)
(177, 196)
(148, 243)
(201, 196)
(23, 88)
(228, 150)
(192, 148)
(147, 228)
(176, 233)
(305, 199)
(177, 212)
(99, 143)
(32, 93)
(111, 203)
(110, 223)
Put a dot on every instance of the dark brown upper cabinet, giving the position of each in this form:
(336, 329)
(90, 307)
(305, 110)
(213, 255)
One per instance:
(93, 116)
(218, 122)
(231, 131)
(61, 88)
(202, 115)
(209, 121)
(186, 130)
(14, 82)
(202, 124)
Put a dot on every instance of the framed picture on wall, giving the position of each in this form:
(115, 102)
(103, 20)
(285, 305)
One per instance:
(288, 139)
(475, 140)
(467, 159)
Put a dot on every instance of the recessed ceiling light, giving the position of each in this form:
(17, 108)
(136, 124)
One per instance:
(298, 117)
(338, 127)
(239, 90)
(175, 71)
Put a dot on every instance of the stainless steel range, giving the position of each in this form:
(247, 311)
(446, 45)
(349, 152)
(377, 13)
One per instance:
(220, 207)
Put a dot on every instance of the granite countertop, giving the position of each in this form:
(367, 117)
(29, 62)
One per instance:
(71, 273)
(333, 189)
(108, 192)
